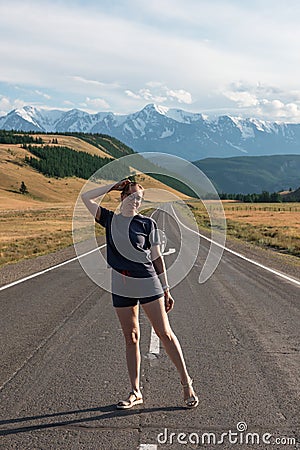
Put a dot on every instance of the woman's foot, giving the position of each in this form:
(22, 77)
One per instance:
(190, 398)
(134, 398)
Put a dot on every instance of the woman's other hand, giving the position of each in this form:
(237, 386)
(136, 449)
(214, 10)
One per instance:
(169, 301)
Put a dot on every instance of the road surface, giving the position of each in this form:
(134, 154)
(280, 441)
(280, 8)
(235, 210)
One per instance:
(63, 363)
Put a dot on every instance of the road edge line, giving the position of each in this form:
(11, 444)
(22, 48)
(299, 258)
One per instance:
(29, 277)
(280, 274)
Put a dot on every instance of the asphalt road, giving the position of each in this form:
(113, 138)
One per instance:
(63, 363)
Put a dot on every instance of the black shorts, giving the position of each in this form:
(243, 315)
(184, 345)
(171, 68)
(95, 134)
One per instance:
(129, 288)
(120, 302)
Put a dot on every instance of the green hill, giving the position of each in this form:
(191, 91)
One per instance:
(248, 174)
(293, 196)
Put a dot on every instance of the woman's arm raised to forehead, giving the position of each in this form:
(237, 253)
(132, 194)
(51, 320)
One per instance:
(89, 197)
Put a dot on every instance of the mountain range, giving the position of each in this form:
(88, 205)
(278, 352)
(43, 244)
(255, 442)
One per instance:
(189, 135)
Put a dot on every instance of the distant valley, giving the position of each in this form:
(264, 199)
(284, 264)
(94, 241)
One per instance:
(252, 174)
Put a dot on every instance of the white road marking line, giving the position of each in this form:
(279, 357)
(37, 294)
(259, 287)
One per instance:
(14, 283)
(154, 348)
(169, 252)
(154, 343)
(282, 275)
(148, 447)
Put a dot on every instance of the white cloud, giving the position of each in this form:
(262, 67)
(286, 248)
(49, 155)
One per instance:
(268, 102)
(85, 81)
(151, 97)
(243, 99)
(95, 103)
(7, 104)
(93, 82)
(154, 84)
(160, 93)
(133, 95)
(46, 96)
(32, 92)
(68, 103)
(180, 95)
(279, 111)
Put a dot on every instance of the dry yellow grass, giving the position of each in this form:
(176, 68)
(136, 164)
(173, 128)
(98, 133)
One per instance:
(74, 143)
(275, 225)
(275, 217)
(32, 232)
(13, 171)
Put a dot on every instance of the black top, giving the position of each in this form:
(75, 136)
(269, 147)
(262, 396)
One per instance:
(129, 240)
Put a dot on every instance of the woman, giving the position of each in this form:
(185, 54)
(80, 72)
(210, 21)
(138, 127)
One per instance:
(138, 276)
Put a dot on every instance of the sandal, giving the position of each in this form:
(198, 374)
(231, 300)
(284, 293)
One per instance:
(193, 401)
(133, 399)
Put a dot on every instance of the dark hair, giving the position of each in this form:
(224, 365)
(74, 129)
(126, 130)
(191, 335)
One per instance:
(127, 187)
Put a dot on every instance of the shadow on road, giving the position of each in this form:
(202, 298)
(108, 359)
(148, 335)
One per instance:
(108, 412)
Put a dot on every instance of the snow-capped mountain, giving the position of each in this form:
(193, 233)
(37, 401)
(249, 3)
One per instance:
(157, 128)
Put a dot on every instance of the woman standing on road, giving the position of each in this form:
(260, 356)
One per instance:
(138, 275)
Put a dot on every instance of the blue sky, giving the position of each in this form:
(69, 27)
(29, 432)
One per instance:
(209, 56)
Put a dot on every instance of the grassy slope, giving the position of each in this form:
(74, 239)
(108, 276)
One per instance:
(75, 143)
(41, 221)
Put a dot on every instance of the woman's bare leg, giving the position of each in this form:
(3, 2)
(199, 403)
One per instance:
(159, 319)
(129, 320)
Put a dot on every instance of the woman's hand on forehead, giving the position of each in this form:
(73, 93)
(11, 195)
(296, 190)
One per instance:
(121, 185)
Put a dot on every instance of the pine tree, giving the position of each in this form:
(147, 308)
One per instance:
(23, 188)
